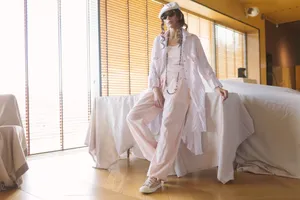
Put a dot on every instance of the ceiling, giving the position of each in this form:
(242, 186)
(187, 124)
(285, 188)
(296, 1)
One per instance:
(276, 11)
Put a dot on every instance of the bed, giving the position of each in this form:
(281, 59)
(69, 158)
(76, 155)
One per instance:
(274, 148)
(270, 143)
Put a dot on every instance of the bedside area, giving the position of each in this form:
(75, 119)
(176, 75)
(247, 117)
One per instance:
(244, 80)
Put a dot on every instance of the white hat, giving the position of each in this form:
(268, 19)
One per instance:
(167, 7)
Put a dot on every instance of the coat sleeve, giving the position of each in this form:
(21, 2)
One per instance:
(153, 78)
(204, 67)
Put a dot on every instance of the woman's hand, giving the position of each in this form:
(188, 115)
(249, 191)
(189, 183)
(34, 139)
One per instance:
(158, 98)
(223, 93)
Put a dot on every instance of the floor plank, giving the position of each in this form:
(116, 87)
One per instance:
(69, 175)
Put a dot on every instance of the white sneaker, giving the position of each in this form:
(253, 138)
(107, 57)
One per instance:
(150, 185)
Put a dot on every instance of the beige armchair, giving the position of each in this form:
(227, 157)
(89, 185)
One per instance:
(13, 147)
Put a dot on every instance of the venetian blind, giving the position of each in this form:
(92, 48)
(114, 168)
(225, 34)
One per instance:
(44, 97)
(204, 29)
(138, 46)
(230, 52)
(75, 71)
(12, 51)
(58, 74)
(49, 53)
(128, 29)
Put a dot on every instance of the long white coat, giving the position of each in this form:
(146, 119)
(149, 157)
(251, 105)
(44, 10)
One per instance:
(195, 63)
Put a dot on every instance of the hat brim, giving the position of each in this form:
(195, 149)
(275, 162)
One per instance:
(167, 8)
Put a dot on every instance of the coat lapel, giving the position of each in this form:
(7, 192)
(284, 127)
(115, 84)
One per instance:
(164, 53)
(185, 34)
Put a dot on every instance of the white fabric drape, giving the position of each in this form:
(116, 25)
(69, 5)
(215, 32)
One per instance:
(274, 147)
(229, 124)
(13, 148)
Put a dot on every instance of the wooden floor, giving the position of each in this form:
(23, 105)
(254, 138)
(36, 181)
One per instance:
(69, 176)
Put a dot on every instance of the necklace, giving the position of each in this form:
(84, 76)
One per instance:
(166, 67)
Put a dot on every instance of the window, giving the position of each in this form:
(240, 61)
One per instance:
(204, 30)
(128, 29)
(230, 52)
(224, 47)
(12, 51)
(50, 58)
(48, 66)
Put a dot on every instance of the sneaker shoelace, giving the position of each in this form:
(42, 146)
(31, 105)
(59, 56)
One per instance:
(151, 181)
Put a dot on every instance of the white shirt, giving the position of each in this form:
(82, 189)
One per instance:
(174, 56)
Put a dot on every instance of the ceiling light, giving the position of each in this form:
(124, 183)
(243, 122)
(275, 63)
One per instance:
(252, 11)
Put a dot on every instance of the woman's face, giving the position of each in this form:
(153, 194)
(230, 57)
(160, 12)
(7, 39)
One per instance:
(170, 19)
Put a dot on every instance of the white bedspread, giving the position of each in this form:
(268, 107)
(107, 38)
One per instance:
(13, 148)
(229, 124)
(275, 146)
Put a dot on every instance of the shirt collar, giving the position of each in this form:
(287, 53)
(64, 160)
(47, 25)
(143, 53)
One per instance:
(185, 34)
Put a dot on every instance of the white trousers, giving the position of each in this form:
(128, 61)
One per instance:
(161, 153)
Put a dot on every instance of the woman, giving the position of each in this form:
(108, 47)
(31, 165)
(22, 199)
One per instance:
(175, 85)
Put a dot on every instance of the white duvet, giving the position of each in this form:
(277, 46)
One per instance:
(274, 148)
